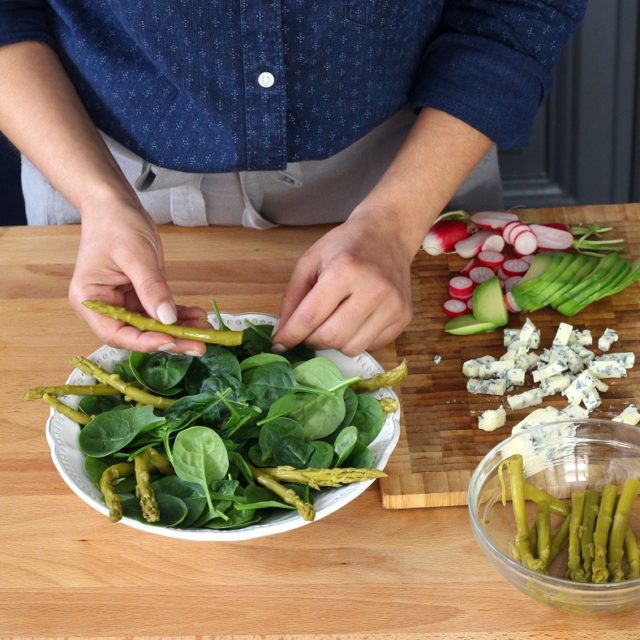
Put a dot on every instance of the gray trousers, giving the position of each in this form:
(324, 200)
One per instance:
(309, 192)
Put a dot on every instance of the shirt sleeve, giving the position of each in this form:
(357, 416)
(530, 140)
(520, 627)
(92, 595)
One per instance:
(490, 63)
(23, 20)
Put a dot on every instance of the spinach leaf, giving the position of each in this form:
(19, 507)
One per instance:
(219, 359)
(203, 407)
(361, 457)
(95, 467)
(123, 370)
(322, 456)
(261, 358)
(237, 519)
(232, 387)
(257, 497)
(256, 338)
(162, 371)
(299, 353)
(350, 398)
(112, 430)
(199, 456)
(368, 418)
(344, 444)
(172, 510)
(191, 494)
(322, 373)
(269, 382)
(283, 440)
(93, 405)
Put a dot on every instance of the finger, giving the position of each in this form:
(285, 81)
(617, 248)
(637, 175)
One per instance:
(376, 333)
(193, 317)
(302, 280)
(316, 306)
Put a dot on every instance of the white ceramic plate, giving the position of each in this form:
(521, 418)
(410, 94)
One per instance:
(62, 436)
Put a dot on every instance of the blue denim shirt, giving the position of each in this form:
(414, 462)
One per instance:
(179, 81)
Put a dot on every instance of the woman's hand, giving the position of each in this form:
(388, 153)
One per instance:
(120, 261)
(350, 291)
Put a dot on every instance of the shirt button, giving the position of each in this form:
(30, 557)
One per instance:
(266, 79)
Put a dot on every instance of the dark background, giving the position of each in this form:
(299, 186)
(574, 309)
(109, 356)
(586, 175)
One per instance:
(584, 147)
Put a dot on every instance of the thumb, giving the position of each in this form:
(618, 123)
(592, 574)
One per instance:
(147, 277)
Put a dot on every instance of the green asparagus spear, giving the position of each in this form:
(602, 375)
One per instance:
(317, 478)
(574, 563)
(65, 410)
(71, 390)
(388, 405)
(600, 572)
(533, 533)
(633, 556)
(144, 490)
(515, 468)
(533, 493)
(305, 509)
(114, 380)
(543, 527)
(619, 528)
(111, 498)
(559, 538)
(589, 516)
(159, 462)
(144, 323)
(385, 379)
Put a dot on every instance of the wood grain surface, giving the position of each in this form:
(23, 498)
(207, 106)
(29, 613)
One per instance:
(441, 444)
(363, 573)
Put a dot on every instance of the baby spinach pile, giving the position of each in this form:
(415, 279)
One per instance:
(233, 409)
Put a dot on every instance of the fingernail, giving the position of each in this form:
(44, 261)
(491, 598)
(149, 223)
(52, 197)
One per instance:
(196, 354)
(166, 313)
(278, 348)
(167, 347)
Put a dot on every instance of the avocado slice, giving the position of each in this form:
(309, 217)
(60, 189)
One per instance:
(488, 303)
(468, 325)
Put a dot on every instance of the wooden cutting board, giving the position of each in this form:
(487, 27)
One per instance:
(440, 443)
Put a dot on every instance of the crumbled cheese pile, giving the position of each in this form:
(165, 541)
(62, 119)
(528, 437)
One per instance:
(567, 367)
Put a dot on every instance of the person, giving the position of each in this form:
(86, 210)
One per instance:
(372, 114)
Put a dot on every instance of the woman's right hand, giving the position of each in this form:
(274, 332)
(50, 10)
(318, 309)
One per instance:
(120, 261)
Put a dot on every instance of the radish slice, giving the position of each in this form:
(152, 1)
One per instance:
(443, 235)
(494, 220)
(511, 303)
(470, 304)
(460, 287)
(515, 267)
(502, 276)
(455, 308)
(491, 259)
(516, 230)
(470, 265)
(509, 227)
(493, 243)
(471, 246)
(511, 282)
(528, 259)
(480, 274)
(525, 243)
(552, 238)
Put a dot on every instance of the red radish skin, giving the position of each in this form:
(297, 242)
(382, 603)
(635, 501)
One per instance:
(502, 276)
(515, 267)
(506, 232)
(493, 220)
(510, 302)
(557, 225)
(491, 259)
(470, 304)
(444, 235)
(470, 247)
(493, 243)
(528, 259)
(460, 287)
(467, 267)
(552, 238)
(455, 308)
(480, 274)
(516, 231)
(511, 282)
(525, 243)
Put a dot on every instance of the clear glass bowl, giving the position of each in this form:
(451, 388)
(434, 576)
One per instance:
(565, 457)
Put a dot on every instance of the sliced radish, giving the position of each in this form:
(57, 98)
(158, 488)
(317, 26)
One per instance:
(444, 235)
(494, 242)
(470, 304)
(460, 287)
(494, 220)
(557, 225)
(516, 230)
(511, 282)
(515, 267)
(508, 228)
(525, 243)
(528, 259)
(491, 259)
(480, 274)
(502, 276)
(471, 246)
(455, 308)
(511, 303)
(552, 238)
(467, 267)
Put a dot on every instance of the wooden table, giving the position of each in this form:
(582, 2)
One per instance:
(362, 573)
